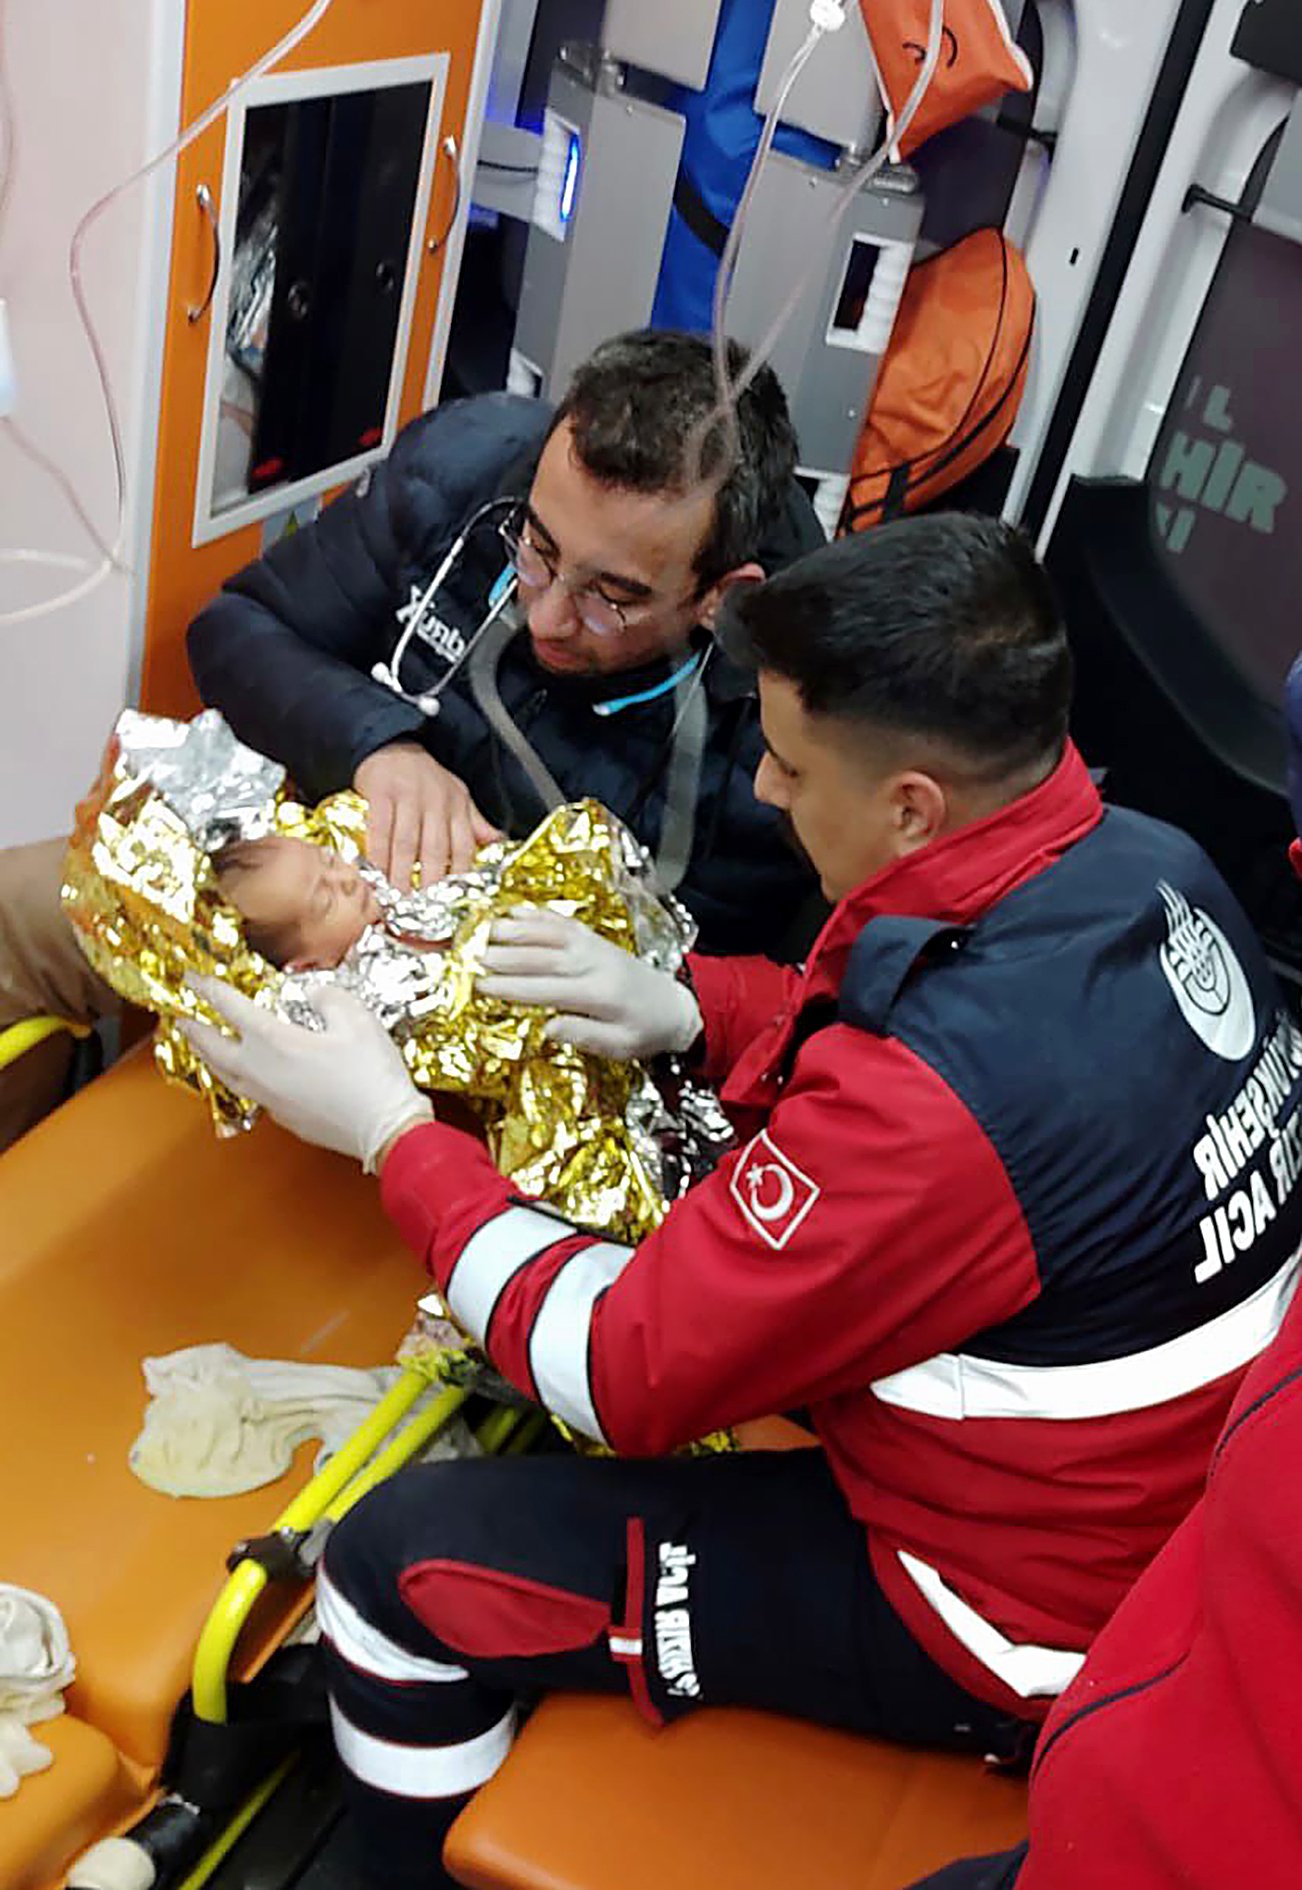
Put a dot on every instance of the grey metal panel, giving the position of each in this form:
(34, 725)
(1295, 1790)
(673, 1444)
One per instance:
(672, 37)
(788, 238)
(507, 167)
(1280, 207)
(836, 95)
(602, 278)
(547, 261)
(515, 33)
(784, 240)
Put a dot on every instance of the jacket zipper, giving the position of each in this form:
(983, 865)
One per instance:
(940, 457)
(986, 420)
(529, 709)
(1144, 1686)
(1098, 1706)
(1291, 1378)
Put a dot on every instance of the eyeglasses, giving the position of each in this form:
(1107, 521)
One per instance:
(537, 571)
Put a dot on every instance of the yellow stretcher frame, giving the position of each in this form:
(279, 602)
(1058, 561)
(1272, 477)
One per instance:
(381, 1444)
(386, 1440)
(17, 1039)
(353, 1470)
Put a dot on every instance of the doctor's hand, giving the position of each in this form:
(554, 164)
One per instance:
(605, 1000)
(418, 811)
(345, 1087)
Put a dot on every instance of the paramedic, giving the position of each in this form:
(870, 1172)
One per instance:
(1016, 1204)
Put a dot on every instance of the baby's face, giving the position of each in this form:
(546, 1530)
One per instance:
(305, 902)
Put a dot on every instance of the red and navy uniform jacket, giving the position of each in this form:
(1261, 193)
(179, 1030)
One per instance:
(1172, 1762)
(1015, 1209)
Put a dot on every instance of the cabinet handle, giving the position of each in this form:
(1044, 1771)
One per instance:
(449, 150)
(1240, 212)
(203, 197)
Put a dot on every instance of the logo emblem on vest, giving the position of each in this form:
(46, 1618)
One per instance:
(419, 615)
(1206, 978)
(772, 1193)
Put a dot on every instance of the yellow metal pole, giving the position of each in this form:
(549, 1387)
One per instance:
(403, 1448)
(216, 1643)
(497, 1428)
(312, 1500)
(18, 1038)
(222, 1629)
(535, 1423)
(221, 1846)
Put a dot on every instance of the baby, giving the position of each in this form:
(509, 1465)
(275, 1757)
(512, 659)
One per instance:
(154, 895)
(303, 907)
(555, 1119)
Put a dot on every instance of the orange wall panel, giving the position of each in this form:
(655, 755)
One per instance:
(224, 38)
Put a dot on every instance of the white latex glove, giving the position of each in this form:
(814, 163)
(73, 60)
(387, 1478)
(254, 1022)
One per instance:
(605, 1000)
(345, 1087)
(20, 1754)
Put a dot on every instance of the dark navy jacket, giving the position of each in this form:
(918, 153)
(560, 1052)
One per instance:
(1153, 1204)
(286, 650)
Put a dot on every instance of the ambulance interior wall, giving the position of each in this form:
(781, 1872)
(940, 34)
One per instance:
(90, 90)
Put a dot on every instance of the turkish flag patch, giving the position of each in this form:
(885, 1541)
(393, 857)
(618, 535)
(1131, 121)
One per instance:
(772, 1193)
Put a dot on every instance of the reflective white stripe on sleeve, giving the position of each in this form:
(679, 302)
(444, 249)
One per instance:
(422, 1771)
(955, 1385)
(558, 1344)
(364, 1647)
(1031, 1672)
(493, 1256)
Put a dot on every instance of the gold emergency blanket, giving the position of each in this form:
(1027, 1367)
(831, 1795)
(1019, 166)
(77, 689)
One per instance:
(594, 1139)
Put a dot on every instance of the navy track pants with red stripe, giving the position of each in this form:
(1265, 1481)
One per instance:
(458, 1590)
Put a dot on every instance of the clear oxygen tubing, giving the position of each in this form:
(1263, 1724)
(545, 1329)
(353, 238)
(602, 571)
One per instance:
(110, 549)
(825, 16)
(727, 409)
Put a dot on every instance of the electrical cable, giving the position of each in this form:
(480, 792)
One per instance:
(6, 125)
(111, 549)
(824, 18)
(728, 260)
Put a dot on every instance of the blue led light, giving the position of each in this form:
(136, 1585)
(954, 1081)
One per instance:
(571, 184)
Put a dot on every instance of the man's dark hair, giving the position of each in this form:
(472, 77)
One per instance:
(643, 410)
(944, 627)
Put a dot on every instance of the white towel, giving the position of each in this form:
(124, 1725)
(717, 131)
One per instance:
(219, 1423)
(36, 1664)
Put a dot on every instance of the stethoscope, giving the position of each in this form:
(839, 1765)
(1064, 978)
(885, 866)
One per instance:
(500, 598)
(690, 722)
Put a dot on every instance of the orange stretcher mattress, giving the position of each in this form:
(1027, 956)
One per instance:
(128, 1229)
(592, 1798)
(56, 1814)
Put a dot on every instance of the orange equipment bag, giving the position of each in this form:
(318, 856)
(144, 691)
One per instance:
(950, 382)
(979, 61)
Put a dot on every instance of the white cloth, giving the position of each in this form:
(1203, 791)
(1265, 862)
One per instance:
(219, 1423)
(36, 1664)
